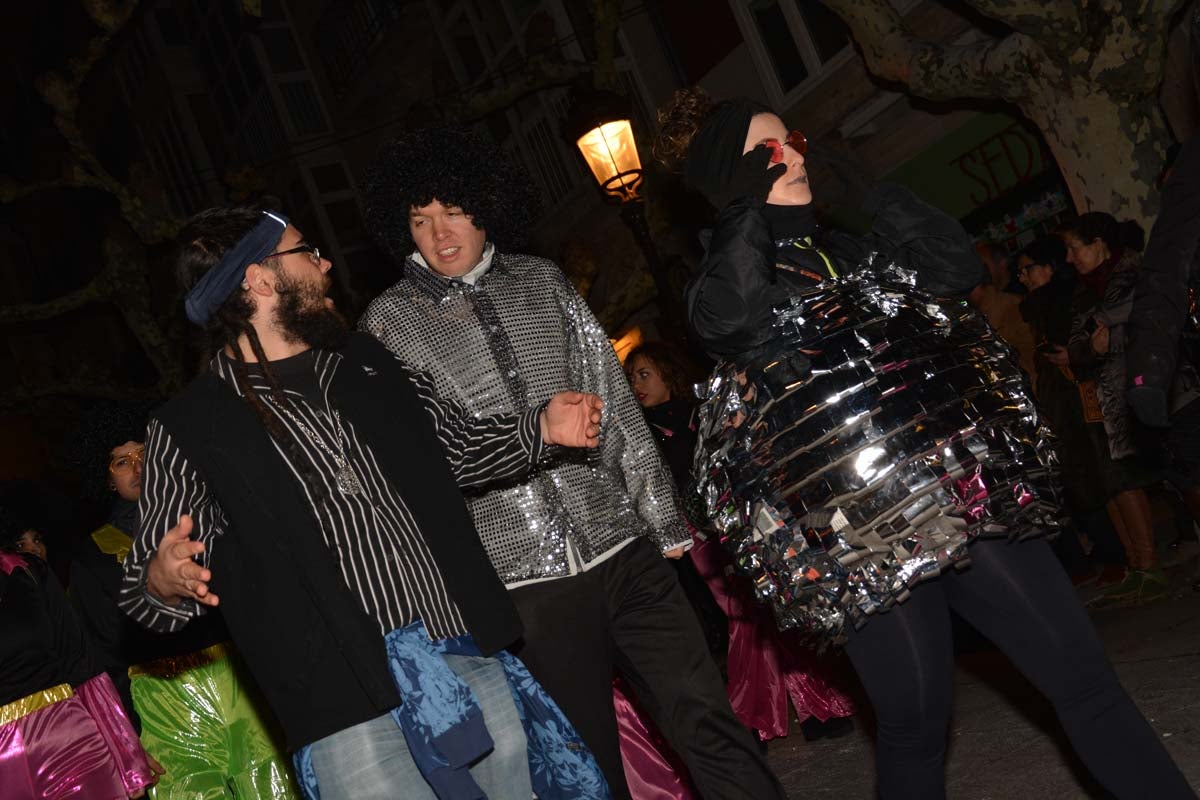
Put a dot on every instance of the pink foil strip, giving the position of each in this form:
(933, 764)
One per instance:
(104, 704)
(82, 748)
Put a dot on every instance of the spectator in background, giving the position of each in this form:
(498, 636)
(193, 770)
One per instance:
(1002, 307)
(766, 668)
(1164, 346)
(190, 696)
(1106, 260)
(32, 542)
(63, 731)
(1050, 285)
(658, 375)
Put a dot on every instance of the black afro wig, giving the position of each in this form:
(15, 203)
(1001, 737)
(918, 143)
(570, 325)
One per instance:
(104, 426)
(454, 166)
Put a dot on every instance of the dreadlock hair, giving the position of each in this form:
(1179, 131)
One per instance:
(202, 241)
(456, 167)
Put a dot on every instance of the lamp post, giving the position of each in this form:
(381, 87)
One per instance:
(598, 123)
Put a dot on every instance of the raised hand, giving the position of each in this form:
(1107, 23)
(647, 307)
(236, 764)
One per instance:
(752, 178)
(572, 419)
(172, 575)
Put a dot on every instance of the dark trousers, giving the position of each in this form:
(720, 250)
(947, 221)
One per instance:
(629, 612)
(1018, 596)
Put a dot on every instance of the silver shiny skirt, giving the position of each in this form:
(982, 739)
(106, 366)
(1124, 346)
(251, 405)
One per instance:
(864, 447)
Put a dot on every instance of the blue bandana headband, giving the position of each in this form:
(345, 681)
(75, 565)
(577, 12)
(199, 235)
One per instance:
(219, 282)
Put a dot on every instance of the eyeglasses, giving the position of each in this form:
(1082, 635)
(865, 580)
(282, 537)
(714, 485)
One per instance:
(127, 461)
(795, 140)
(314, 253)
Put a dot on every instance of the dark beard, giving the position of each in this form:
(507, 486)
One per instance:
(303, 317)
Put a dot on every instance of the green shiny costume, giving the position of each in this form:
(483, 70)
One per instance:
(203, 724)
(201, 715)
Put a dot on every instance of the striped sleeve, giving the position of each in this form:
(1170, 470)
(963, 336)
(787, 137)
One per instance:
(482, 450)
(171, 487)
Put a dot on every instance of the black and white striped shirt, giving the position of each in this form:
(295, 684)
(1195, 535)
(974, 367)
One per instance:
(372, 535)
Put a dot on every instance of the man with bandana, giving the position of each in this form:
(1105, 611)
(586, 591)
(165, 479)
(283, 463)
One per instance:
(308, 485)
(580, 543)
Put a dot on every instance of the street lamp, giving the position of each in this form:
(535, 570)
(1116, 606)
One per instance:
(598, 123)
(611, 154)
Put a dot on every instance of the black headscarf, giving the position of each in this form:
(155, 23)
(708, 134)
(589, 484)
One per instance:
(717, 147)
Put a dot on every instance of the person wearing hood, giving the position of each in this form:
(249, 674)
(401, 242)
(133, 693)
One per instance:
(865, 436)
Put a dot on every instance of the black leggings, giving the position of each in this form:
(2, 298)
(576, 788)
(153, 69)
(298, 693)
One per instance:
(1018, 596)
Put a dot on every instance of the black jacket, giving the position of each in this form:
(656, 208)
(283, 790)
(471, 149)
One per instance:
(41, 643)
(730, 300)
(1170, 266)
(316, 654)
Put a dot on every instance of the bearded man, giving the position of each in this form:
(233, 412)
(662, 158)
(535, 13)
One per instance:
(311, 482)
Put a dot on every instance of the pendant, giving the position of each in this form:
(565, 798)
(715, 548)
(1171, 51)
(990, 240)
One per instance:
(347, 482)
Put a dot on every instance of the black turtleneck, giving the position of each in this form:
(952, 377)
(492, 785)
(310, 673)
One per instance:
(790, 222)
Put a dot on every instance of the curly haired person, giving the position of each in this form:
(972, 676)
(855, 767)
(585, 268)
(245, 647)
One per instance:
(580, 542)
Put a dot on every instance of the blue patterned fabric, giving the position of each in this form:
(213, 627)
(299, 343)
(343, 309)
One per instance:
(445, 730)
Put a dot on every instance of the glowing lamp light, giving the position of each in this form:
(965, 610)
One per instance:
(612, 155)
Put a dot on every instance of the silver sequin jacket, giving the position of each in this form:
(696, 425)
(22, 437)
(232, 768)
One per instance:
(507, 344)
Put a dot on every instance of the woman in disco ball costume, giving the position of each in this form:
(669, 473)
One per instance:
(870, 455)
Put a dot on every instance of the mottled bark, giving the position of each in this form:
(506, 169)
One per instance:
(1086, 73)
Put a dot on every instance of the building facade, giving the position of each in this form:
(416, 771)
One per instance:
(294, 99)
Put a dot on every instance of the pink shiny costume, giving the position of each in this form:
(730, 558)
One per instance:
(652, 769)
(766, 668)
(82, 748)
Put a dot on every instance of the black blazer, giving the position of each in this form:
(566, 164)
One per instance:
(316, 654)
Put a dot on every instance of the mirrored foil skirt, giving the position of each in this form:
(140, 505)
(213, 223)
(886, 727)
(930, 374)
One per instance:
(864, 447)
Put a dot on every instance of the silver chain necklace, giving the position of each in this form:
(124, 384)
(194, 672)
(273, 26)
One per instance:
(347, 481)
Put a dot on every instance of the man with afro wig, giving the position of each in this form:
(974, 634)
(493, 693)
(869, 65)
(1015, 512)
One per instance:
(580, 543)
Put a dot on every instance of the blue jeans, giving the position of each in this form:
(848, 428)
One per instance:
(371, 760)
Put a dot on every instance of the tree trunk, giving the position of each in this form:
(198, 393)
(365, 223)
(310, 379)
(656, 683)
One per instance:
(1085, 73)
(1109, 151)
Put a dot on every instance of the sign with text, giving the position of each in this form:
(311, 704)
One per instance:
(979, 163)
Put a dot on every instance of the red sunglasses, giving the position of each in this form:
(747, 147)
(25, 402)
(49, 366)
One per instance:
(795, 140)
